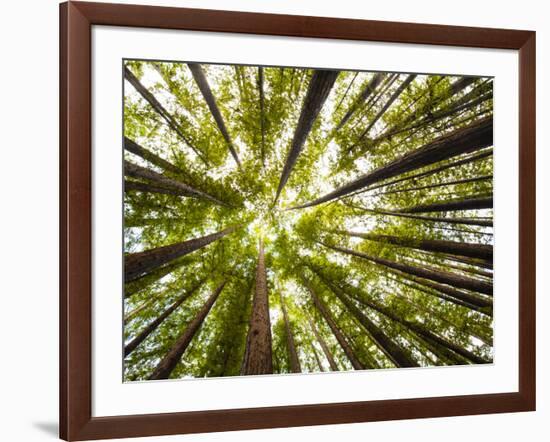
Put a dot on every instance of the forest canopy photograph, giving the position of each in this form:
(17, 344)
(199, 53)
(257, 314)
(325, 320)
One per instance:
(284, 220)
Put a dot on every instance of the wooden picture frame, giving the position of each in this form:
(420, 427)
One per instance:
(76, 21)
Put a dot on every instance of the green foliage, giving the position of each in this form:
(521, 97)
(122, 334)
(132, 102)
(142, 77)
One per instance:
(296, 240)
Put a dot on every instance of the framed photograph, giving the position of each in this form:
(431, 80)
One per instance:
(272, 221)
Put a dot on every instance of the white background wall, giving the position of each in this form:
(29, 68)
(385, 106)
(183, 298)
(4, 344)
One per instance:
(29, 180)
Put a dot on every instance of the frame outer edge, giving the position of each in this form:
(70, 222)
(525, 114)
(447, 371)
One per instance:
(75, 238)
(527, 222)
(76, 422)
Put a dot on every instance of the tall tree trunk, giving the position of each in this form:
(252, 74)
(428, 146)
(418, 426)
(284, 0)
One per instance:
(485, 202)
(131, 346)
(258, 355)
(317, 359)
(467, 160)
(136, 171)
(136, 149)
(202, 83)
(323, 344)
(137, 186)
(473, 262)
(345, 93)
(141, 263)
(319, 88)
(444, 184)
(419, 329)
(369, 88)
(292, 353)
(454, 89)
(173, 357)
(159, 108)
(469, 300)
(471, 250)
(388, 103)
(357, 365)
(392, 350)
(262, 110)
(464, 221)
(131, 315)
(138, 284)
(468, 139)
(424, 272)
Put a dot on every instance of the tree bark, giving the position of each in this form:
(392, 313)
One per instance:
(179, 187)
(357, 365)
(317, 359)
(258, 355)
(319, 88)
(131, 346)
(169, 362)
(392, 350)
(444, 184)
(452, 205)
(424, 272)
(369, 88)
(419, 329)
(468, 160)
(323, 344)
(137, 186)
(159, 108)
(292, 353)
(473, 262)
(388, 103)
(141, 263)
(476, 136)
(138, 284)
(471, 250)
(465, 221)
(262, 111)
(202, 83)
(136, 149)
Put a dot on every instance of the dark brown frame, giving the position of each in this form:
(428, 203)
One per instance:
(76, 421)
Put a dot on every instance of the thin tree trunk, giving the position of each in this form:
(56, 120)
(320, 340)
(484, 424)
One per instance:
(388, 103)
(369, 88)
(131, 346)
(159, 108)
(258, 355)
(292, 353)
(464, 140)
(202, 83)
(131, 315)
(345, 93)
(465, 221)
(424, 272)
(169, 362)
(136, 171)
(262, 111)
(473, 262)
(141, 263)
(392, 350)
(471, 250)
(136, 149)
(319, 88)
(316, 355)
(420, 329)
(446, 294)
(138, 284)
(137, 186)
(454, 88)
(323, 344)
(472, 300)
(468, 160)
(452, 205)
(444, 184)
(357, 365)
